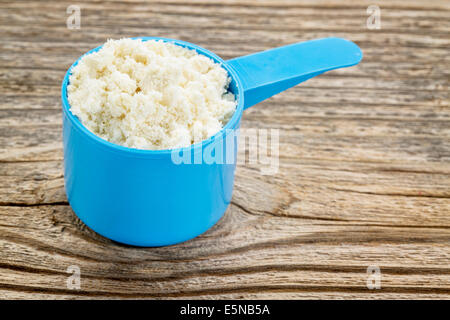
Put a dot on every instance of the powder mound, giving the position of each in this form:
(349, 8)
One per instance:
(150, 94)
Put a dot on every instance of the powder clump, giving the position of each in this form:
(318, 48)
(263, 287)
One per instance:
(150, 94)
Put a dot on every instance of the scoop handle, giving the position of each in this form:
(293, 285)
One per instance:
(267, 73)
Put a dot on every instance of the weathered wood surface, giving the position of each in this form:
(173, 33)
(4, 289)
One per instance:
(364, 173)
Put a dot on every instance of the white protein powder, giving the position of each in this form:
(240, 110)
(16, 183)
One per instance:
(150, 94)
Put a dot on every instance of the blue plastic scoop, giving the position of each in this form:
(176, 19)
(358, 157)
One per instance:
(143, 197)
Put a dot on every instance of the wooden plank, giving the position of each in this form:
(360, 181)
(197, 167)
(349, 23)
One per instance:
(364, 172)
(213, 263)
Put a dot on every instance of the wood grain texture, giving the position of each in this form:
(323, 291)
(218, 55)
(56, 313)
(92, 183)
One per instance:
(364, 175)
